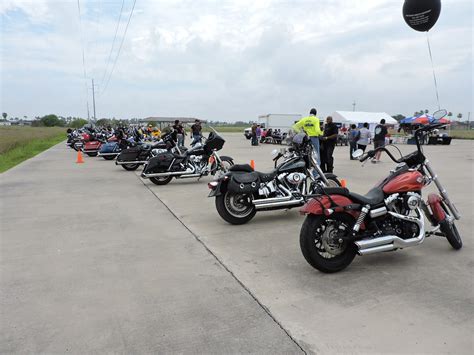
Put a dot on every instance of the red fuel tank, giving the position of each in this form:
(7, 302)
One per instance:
(409, 181)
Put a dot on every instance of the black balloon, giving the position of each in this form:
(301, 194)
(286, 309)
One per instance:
(421, 15)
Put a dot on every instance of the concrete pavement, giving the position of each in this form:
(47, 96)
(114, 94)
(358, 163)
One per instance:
(91, 261)
(418, 300)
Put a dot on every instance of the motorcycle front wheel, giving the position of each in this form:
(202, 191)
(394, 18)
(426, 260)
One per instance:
(235, 208)
(450, 231)
(108, 157)
(319, 242)
(130, 167)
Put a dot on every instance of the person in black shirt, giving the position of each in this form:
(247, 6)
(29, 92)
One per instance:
(196, 132)
(379, 138)
(328, 141)
(178, 133)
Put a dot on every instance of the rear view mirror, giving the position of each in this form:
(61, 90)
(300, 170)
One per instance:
(275, 152)
(357, 153)
(439, 114)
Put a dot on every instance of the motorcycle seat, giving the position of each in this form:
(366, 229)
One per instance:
(265, 177)
(242, 168)
(373, 197)
(245, 178)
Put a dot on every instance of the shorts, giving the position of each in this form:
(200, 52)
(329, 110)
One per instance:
(378, 144)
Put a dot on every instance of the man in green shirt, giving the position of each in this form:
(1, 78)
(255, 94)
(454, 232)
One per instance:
(310, 125)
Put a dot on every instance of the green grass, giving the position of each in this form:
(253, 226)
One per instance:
(18, 144)
(462, 134)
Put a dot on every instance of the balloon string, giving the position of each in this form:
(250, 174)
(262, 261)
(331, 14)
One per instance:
(434, 74)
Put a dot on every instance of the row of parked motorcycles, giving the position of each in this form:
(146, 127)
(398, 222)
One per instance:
(339, 223)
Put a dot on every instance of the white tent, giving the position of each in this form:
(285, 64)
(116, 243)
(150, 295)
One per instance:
(358, 117)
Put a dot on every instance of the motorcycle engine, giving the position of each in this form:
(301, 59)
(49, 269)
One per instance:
(295, 178)
(395, 226)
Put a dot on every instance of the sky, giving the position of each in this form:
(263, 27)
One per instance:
(230, 60)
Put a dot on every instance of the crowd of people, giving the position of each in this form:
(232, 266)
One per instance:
(324, 139)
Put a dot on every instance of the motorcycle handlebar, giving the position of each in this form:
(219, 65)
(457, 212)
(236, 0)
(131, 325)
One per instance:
(371, 154)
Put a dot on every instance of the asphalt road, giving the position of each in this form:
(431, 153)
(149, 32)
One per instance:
(96, 259)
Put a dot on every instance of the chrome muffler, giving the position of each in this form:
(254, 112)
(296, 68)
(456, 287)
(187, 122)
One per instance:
(392, 242)
(182, 174)
(271, 200)
(288, 203)
(106, 154)
(129, 162)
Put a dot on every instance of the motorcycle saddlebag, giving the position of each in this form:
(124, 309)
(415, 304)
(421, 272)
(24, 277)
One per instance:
(129, 154)
(160, 163)
(244, 183)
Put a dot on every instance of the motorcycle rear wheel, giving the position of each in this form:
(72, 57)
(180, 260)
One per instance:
(161, 180)
(232, 211)
(108, 157)
(316, 235)
(92, 154)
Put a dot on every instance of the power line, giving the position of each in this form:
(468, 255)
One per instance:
(113, 45)
(120, 48)
(83, 57)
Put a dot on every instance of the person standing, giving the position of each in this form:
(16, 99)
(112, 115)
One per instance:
(310, 125)
(254, 134)
(259, 133)
(329, 140)
(196, 130)
(379, 139)
(179, 132)
(354, 135)
(364, 137)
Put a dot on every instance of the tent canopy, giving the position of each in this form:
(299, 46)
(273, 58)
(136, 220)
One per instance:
(362, 117)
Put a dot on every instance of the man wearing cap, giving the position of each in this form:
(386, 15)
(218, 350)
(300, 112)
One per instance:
(310, 125)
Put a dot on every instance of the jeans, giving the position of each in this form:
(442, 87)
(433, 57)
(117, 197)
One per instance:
(352, 149)
(180, 140)
(196, 139)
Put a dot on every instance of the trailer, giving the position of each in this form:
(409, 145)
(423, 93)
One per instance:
(281, 121)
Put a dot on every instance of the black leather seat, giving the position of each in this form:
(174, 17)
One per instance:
(265, 177)
(373, 197)
(241, 167)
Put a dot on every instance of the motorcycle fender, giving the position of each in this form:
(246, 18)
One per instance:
(315, 207)
(220, 188)
(434, 201)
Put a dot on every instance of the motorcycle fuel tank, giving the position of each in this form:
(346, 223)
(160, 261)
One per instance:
(409, 181)
(291, 165)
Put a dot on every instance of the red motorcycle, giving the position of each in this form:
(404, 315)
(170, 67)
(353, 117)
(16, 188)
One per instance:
(340, 224)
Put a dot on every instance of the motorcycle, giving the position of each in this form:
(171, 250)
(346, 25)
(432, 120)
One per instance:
(200, 160)
(93, 145)
(340, 224)
(242, 192)
(131, 158)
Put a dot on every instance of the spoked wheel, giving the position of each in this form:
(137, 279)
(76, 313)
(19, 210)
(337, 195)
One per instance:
(321, 244)
(235, 208)
(130, 167)
(218, 171)
(333, 181)
(161, 180)
(448, 228)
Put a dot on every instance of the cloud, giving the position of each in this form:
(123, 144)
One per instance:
(234, 59)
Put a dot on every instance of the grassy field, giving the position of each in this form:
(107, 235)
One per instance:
(462, 134)
(19, 143)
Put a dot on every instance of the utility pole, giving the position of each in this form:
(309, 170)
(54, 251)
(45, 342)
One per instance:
(468, 120)
(354, 106)
(93, 98)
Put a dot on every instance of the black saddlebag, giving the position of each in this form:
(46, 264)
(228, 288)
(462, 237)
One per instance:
(160, 163)
(244, 183)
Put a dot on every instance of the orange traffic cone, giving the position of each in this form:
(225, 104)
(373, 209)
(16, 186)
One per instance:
(79, 157)
(252, 164)
(343, 183)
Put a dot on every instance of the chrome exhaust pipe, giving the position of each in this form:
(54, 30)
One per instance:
(271, 200)
(392, 242)
(170, 173)
(279, 204)
(106, 154)
(130, 162)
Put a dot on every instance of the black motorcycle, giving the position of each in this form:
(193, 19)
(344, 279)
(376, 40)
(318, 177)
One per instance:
(131, 158)
(200, 160)
(242, 192)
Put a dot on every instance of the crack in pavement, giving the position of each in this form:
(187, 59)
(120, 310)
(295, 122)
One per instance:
(265, 309)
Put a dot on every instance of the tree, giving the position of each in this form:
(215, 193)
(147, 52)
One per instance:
(399, 117)
(51, 121)
(4, 115)
(78, 123)
(450, 114)
(426, 111)
(459, 115)
(103, 122)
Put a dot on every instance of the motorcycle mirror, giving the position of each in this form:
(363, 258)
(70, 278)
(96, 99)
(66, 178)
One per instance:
(357, 153)
(440, 114)
(274, 152)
